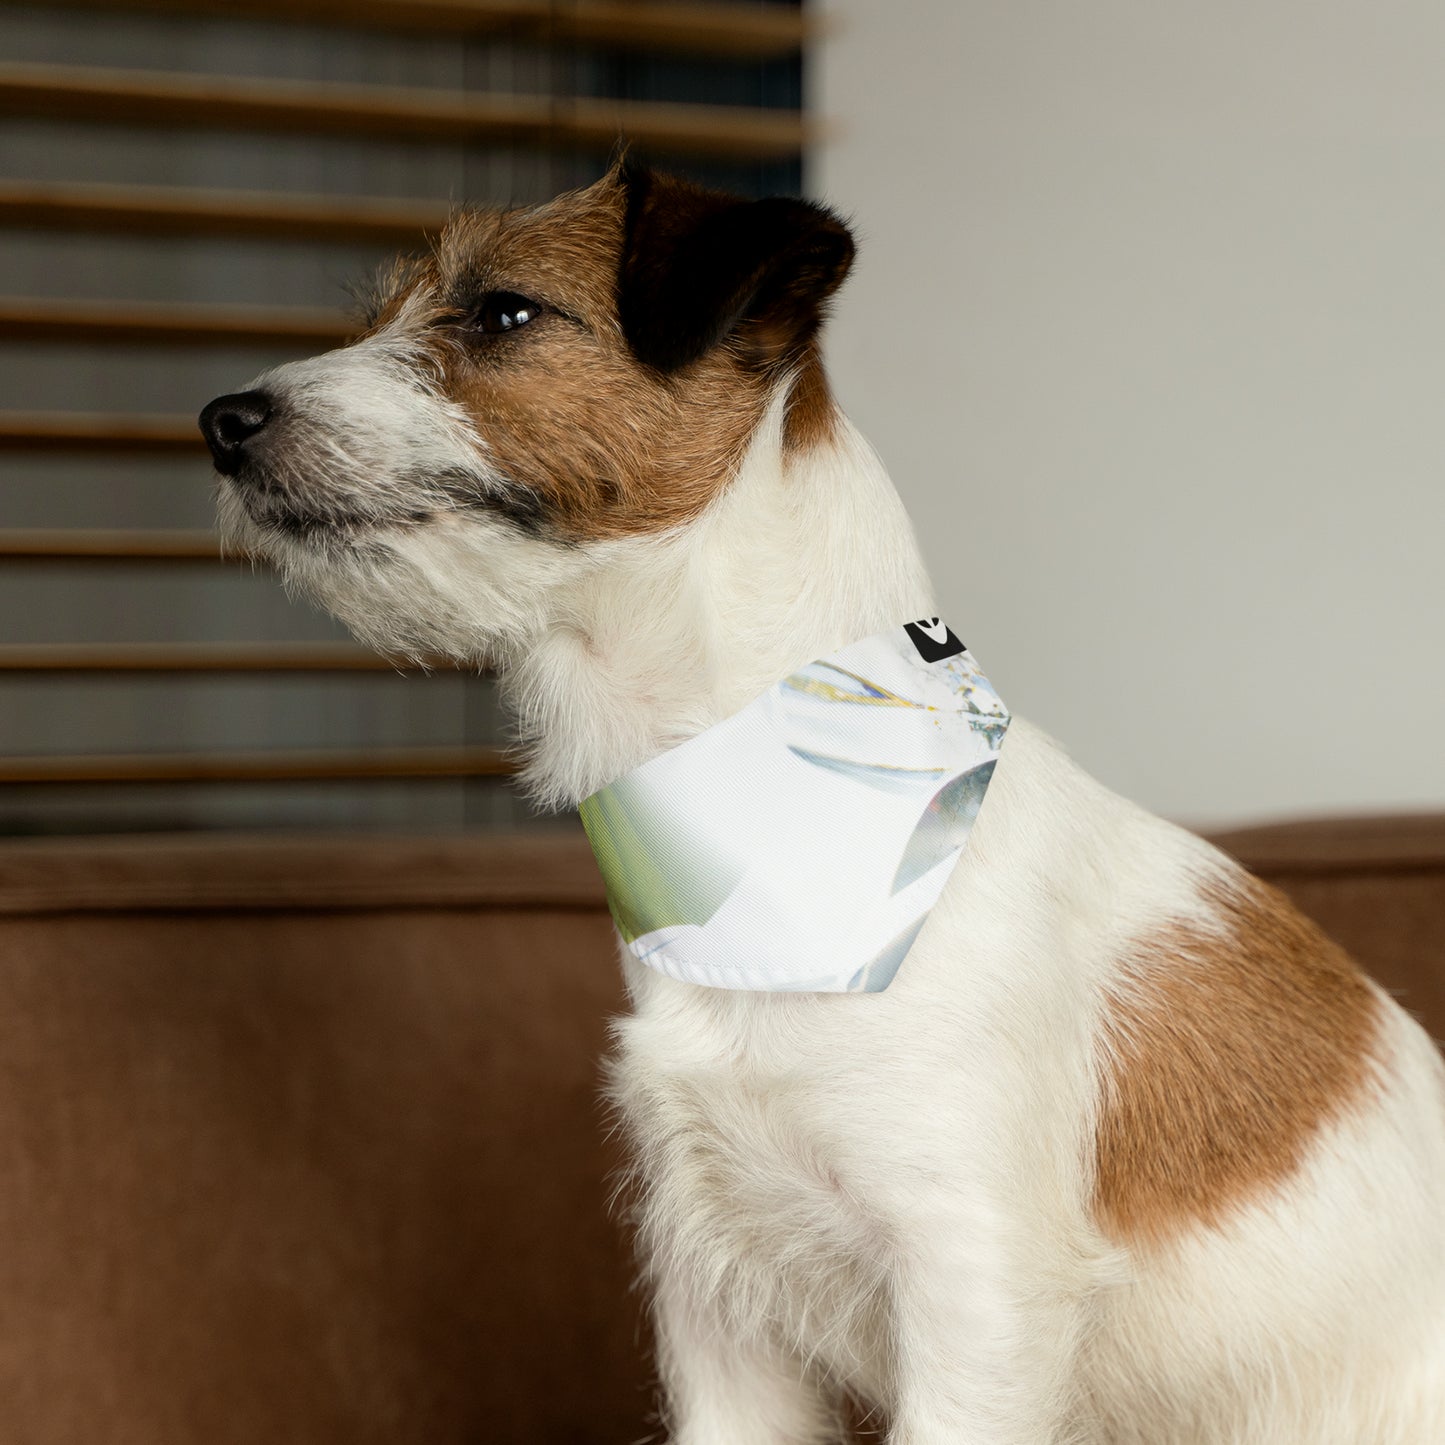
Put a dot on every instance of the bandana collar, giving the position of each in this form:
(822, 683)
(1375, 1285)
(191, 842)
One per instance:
(799, 845)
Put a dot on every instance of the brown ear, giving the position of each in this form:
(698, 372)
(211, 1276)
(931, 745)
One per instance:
(700, 266)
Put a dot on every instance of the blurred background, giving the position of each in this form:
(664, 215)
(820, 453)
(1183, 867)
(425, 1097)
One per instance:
(1146, 323)
(1149, 324)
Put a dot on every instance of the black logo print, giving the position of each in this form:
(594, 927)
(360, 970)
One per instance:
(933, 639)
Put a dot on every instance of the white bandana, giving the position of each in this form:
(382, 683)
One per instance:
(800, 844)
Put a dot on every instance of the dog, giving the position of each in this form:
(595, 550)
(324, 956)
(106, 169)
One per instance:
(1128, 1153)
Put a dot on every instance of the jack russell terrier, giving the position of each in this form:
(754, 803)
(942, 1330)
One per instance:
(1127, 1151)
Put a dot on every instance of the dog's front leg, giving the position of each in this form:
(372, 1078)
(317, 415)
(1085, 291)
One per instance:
(723, 1388)
(984, 1348)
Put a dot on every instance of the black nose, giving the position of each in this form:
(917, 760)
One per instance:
(229, 422)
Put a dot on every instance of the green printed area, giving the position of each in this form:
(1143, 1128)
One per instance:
(657, 874)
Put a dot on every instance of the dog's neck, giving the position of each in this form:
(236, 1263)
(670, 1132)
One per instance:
(666, 636)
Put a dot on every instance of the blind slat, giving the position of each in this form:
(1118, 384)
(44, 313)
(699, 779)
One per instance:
(166, 323)
(84, 431)
(218, 102)
(706, 29)
(174, 210)
(94, 544)
(171, 322)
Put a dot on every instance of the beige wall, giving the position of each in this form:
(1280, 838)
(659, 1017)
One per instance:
(1149, 323)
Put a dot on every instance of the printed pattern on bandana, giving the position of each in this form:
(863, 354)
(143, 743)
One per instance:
(800, 844)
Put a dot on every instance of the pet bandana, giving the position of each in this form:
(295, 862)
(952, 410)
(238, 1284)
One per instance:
(800, 844)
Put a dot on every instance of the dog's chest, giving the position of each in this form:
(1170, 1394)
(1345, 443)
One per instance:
(746, 1183)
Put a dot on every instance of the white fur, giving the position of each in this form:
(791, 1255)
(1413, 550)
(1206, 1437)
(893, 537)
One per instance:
(890, 1193)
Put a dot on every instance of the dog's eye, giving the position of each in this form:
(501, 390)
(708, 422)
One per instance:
(504, 311)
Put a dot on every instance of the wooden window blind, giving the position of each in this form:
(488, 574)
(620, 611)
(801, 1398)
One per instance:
(185, 188)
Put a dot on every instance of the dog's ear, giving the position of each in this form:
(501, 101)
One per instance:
(699, 266)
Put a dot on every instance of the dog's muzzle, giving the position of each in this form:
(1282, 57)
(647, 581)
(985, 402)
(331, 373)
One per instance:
(230, 422)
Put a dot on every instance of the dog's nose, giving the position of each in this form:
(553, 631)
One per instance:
(229, 422)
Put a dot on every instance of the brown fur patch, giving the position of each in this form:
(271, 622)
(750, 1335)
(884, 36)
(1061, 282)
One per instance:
(812, 418)
(605, 445)
(609, 447)
(1226, 1053)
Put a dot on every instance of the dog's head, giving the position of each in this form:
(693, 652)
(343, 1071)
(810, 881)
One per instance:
(547, 383)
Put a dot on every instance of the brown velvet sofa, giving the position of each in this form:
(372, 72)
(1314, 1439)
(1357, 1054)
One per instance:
(300, 1139)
